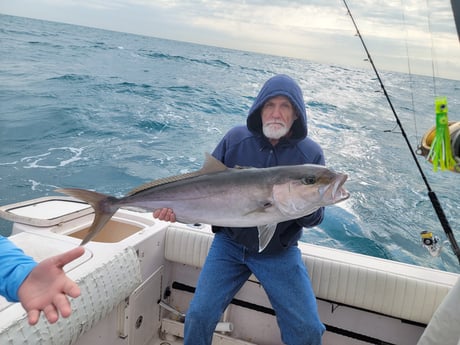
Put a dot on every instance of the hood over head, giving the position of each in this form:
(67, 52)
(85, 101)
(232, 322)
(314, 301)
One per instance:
(280, 85)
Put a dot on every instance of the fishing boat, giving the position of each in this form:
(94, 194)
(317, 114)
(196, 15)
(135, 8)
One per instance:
(138, 275)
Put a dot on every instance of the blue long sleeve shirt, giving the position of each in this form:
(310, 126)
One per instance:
(15, 266)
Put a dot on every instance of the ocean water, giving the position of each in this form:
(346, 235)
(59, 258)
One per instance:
(102, 110)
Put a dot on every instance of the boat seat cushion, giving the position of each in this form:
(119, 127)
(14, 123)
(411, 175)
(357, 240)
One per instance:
(356, 280)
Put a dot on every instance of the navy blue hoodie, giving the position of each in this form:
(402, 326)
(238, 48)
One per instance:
(247, 146)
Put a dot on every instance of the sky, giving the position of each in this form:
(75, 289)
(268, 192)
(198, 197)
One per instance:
(410, 36)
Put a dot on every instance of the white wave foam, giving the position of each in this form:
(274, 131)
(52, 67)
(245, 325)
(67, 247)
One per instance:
(39, 186)
(9, 163)
(54, 153)
(35, 184)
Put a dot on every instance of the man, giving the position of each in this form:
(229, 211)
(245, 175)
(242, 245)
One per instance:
(275, 134)
(38, 286)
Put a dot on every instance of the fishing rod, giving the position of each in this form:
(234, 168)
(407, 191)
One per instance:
(456, 10)
(431, 194)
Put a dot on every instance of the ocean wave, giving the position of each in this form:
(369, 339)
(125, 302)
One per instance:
(129, 87)
(152, 126)
(46, 44)
(210, 62)
(321, 106)
(72, 77)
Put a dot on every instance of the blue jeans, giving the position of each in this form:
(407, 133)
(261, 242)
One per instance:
(284, 278)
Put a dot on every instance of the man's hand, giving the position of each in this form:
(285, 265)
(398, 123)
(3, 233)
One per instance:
(165, 214)
(47, 286)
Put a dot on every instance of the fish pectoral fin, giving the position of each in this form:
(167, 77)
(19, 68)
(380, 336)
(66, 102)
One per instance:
(266, 233)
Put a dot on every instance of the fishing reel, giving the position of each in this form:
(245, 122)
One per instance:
(432, 243)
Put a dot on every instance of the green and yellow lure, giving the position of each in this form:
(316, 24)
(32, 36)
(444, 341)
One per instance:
(440, 153)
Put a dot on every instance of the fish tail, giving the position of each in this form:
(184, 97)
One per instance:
(104, 207)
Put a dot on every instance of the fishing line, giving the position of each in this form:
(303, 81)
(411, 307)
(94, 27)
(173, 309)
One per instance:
(431, 194)
(432, 49)
(409, 69)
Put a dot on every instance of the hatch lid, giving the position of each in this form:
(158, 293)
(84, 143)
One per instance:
(45, 211)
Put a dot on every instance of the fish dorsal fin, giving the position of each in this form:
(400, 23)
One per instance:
(211, 165)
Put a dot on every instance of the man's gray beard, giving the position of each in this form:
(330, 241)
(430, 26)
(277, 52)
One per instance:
(274, 133)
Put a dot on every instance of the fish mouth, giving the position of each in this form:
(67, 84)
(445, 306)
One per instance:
(338, 193)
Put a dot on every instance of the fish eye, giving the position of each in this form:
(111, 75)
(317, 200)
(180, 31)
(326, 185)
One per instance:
(308, 180)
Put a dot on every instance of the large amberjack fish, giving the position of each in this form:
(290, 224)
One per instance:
(221, 196)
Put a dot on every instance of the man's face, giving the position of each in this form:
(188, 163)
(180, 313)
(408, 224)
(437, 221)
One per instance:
(278, 115)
